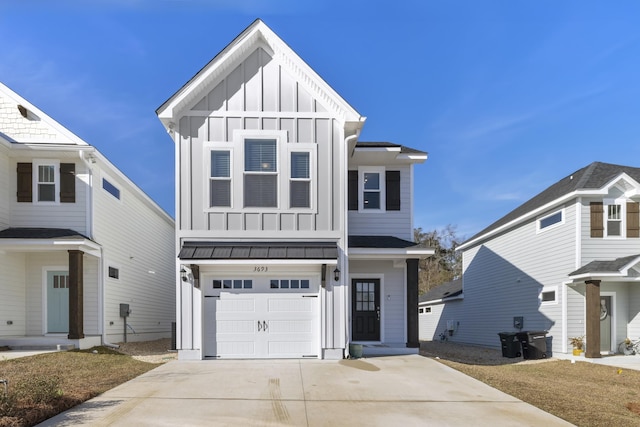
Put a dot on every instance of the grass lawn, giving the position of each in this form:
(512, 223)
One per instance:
(585, 394)
(42, 386)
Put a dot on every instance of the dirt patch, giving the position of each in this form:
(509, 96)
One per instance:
(157, 351)
(585, 394)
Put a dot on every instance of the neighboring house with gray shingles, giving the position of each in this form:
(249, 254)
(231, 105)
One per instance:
(567, 261)
(294, 238)
(77, 239)
(431, 306)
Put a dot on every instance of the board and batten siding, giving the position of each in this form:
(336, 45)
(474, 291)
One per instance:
(603, 248)
(392, 295)
(390, 223)
(258, 95)
(12, 294)
(139, 242)
(503, 278)
(49, 215)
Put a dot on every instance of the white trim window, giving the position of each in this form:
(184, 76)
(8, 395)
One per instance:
(372, 189)
(614, 219)
(46, 181)
(260, 173)
(220, 193)
(548, 295)
(300, 179)
(550, 221)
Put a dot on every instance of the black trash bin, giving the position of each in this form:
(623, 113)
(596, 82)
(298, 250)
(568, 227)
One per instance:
(534, 344)
(510, 344)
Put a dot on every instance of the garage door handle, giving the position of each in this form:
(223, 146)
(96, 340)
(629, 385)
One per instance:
(265, 325)
(259, 326)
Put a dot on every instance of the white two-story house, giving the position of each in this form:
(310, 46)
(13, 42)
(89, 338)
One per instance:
(566, 262)
(294, 238)
(78, 239)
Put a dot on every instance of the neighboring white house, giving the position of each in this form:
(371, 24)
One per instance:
(77, 240)
(294, 239)
(567, 262)
(431, 311)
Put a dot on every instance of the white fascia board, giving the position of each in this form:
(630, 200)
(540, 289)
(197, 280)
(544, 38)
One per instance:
(527, 216)
(259, 261)
(385, 253)
(113, 170)
(38, 245)
(66, 133)
(259, 35)
(441, 300)
(596, 276)
(415, 158)
(378, 149)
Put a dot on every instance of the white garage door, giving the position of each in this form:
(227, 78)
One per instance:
(261, 318)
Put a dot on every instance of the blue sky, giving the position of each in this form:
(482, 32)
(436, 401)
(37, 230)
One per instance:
(507, 97)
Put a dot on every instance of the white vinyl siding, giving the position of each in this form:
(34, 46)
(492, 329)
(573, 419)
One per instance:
(392, 296)
(5, 180)
(503, 279)
(599, 248)
(50, 215)
(393, 223)
(12, 294)
(140, 243)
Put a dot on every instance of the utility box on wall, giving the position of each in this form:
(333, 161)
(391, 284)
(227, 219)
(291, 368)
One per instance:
(124, 310)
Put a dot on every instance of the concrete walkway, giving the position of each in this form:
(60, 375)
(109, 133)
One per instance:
(405, 390)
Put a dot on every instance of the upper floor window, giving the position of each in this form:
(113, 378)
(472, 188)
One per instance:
(46, 181)
(260, 173)
(111, 188)
(553, 219)
(374, 189)
(371, 190)
(300, 184)
(615, 218)
(220, 180)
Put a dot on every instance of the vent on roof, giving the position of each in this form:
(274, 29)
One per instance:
(23, 111)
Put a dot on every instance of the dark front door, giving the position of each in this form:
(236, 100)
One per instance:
(365, 310)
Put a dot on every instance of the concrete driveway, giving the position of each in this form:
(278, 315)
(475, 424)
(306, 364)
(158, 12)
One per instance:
(383, 391)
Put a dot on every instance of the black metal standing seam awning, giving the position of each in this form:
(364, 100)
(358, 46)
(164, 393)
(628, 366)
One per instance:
(258, 250)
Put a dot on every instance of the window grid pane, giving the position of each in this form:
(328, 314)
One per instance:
(261, 191)
(300, 165)
(260, 155)
(220, 164)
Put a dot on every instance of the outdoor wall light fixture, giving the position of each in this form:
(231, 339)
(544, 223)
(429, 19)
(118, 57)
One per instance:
(336, 274)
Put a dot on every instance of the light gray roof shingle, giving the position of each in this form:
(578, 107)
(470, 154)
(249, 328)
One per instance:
(446, 290)
(606, 266)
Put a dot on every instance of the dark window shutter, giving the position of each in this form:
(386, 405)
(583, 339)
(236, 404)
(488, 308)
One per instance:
(353, 190)
(597, 223)
(393, 190)
(67, 182)
(633, 219)
(25, 187)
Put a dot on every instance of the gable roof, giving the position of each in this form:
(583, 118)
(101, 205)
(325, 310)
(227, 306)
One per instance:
(446, 290)
(616, 267)
(20, 120)
(402, 151)
(258, 34)
(591, 177)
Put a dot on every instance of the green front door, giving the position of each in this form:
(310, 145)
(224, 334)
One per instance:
(57, 302)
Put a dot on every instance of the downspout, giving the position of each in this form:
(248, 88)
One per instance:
(345, 256)
(101, 288)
